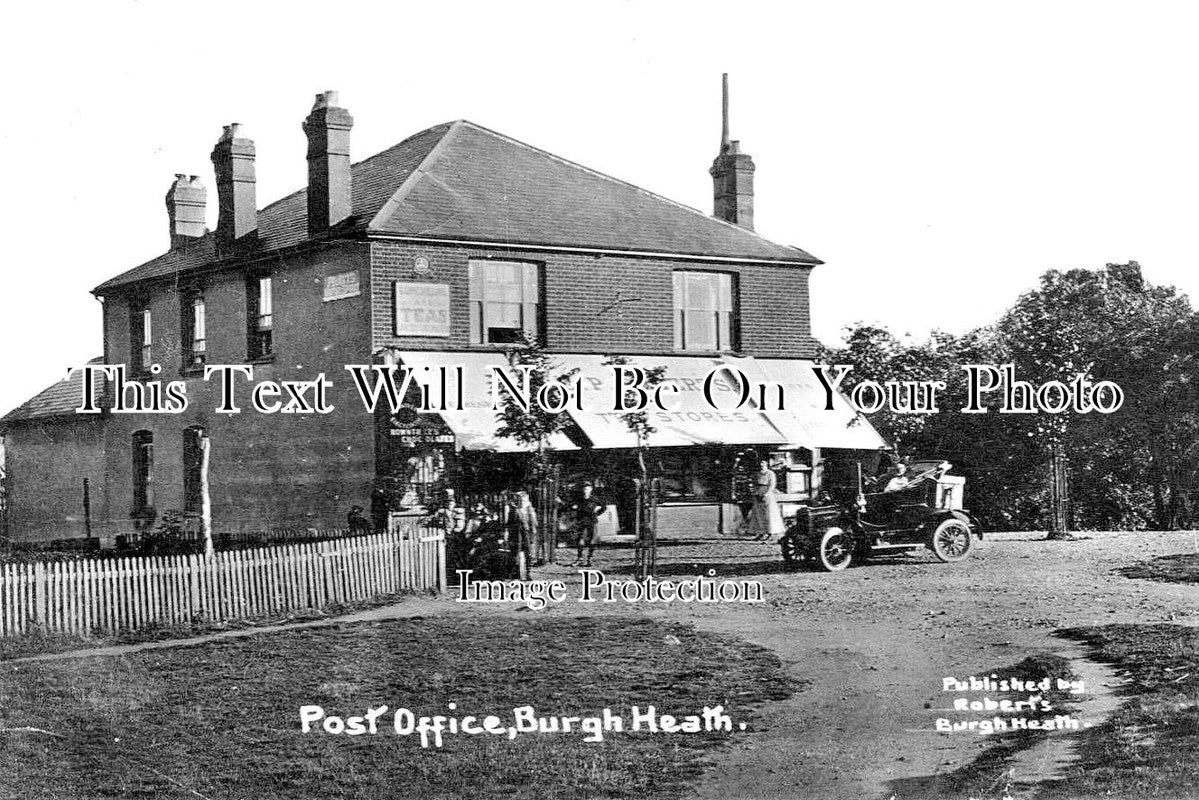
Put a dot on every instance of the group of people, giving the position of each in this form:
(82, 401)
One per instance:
(487, 537)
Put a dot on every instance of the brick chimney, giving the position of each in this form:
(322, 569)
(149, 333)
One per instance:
(233, 160)
(329, 193)
(732, 175)
(186, 202)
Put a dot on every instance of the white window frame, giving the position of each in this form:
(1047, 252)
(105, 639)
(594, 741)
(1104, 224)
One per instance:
(485, 302)
(722, 312)
(196, 332)
(261, 323)
(147, 344)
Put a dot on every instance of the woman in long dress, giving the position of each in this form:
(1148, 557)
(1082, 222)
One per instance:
(765, 518)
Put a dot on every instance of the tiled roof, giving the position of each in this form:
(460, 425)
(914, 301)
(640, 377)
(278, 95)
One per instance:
(58, 399)
(480, 185)
(461, 181)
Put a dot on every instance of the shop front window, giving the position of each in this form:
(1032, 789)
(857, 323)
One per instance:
(688, 474)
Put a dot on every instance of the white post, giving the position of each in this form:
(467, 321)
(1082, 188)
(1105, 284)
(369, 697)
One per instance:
(205, 498)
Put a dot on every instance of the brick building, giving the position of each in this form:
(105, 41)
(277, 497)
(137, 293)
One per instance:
(445, 248)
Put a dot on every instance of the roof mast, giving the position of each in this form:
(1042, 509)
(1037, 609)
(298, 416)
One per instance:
(724, 114)
(732, 173)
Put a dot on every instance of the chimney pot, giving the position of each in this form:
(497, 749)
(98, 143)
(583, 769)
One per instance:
(233, 161)
(330, 197)
(187, 201)
(325, 100)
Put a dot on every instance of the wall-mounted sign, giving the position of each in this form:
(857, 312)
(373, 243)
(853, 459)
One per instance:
(341, 285)
(421, 266)
(413, 430)
(415, 437)
(422, 309)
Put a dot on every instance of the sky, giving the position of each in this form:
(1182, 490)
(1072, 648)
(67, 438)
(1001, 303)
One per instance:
(938, 156)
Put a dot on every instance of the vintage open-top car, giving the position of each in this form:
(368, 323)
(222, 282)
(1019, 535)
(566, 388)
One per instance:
(915, 506)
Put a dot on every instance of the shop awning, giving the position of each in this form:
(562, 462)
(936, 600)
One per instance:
(805, 420)
(694, 422)
(475, 424)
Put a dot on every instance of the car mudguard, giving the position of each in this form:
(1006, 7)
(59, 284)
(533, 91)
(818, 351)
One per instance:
(966, 517)
(960, 515)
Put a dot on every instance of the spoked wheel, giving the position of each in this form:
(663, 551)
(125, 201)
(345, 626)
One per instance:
(951, 541)
(836, 550)
(793, 554)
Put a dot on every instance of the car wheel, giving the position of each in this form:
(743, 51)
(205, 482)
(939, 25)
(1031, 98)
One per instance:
(951, 540)
(836, 550)
(792, 552)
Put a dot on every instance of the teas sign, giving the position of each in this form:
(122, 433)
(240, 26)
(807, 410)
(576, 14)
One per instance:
(422, 309)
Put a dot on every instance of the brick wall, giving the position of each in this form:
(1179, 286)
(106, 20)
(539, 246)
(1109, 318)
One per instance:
(47, 461)
(581, 294)
(266, 470)
(307, 470)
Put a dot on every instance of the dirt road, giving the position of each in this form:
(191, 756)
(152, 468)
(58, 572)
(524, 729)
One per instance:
(875, 642)
(871, 645)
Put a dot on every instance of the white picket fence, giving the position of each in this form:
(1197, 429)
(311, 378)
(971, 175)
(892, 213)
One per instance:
(125, 594)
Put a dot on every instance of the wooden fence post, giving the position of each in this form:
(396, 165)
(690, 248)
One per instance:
(39, 589)
(441, 576)
(127, 594)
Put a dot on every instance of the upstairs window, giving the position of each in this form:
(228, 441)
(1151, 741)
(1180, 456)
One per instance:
(141, 336)
(260, 318)
(143, 470)
(505, 301)
(705, 316)
(192, 330)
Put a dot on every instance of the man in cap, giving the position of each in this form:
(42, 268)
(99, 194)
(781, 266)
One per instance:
(587, 510)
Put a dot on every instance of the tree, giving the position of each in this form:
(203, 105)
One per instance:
(1108, 324)
(637, 421)
(878, 355)
(1128, 470)
(535, 426)
(986, 448)
(1153, 356)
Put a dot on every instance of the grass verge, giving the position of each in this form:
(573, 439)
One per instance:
(38, 643)
(1148, 747)
(221, 720)
(1179, 568)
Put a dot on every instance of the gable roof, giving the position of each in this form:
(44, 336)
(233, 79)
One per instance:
(462, 182)
(59, 399)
